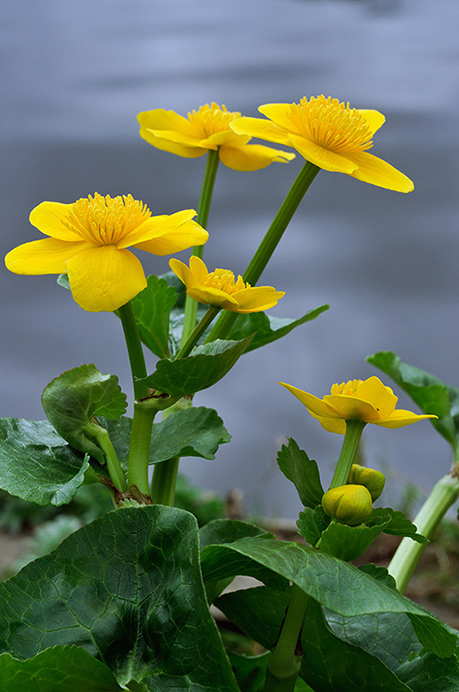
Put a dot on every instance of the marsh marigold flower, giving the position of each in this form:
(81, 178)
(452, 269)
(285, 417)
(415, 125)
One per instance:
(89, 240)
(204, 129)
(367, 400)
(329, 134)
(221, 289)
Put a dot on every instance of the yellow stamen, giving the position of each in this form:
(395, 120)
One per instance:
(331, 124)
(223, 280)
(106, 220)
(347, 388)
(212, 119)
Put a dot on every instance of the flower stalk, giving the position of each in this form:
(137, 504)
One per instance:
(405, 560)
(270, 241)
(111, 458)
(354, 429)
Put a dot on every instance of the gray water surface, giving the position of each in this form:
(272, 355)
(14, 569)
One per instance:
(76, 73)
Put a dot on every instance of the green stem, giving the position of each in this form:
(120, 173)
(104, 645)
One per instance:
(135, 351)
(285, 660)
(270, 241)
(198, 331)
(354, 429)
(164, 481)
(444, 493)
(113, 465)
(191, 305)
(139, 449)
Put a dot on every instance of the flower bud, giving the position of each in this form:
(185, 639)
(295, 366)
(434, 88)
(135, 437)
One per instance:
(348, 504)
(370, 478)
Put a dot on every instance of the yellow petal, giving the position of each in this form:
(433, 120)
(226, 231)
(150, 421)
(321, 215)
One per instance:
(279, 113)
(263, 129)
(155, 227)
(104, 278)
(198, 269)
(316, 407)
(252, 157)
(212, 296)
(158, 126)
(352, 408)
(48, 217)
(48, 256)
(323, 158)
(381, 397)
(257, 298)
(161, 119)
(374, 119)
(400, 418)
(181, 270)
(225, 138)
(176, 239)
(378, 172)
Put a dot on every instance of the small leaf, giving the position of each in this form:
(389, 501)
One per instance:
(430, 393)
(268, 328)
(428, 672)
(204, 367)
(302, 472)
(395, 524)
(227, 531)
(152, 308)
(312, 523)
(73, 399)
(349, 542)
(58, 669)
(37, 464)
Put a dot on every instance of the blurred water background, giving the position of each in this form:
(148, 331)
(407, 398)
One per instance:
(74, 75)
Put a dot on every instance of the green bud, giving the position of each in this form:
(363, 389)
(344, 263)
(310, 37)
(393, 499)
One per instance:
(370, 478)
(348, 504)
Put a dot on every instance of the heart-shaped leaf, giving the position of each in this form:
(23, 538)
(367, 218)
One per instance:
(302, 472)
(152, 308)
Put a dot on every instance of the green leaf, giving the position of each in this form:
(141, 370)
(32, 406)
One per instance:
(72, 400)
(337, 585)
(192, 432)
(349, 542)
(430, 393)
(428, 672)
(268, 328)
(250, 671)
(37, 464)
(227, 531)
(302, 472)
(395, 523)
(127, 589)
(58, 669)
(178, 311)
(152, 308)
(312, 523)
(379, 573)
(329, 664)
(204, 367)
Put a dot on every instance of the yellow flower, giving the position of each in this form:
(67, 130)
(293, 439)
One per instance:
(89, 240)
(220, 288)
(367, 400)
(329, 134)
(204, 129)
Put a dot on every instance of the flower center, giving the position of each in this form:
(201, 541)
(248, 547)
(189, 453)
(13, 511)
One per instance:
(223, 280)
(347, 388)
(212, 119)
(331, 124)
(106, 220)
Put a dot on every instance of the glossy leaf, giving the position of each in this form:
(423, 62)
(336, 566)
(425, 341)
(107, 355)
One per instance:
(152, 308)
(37, 464)
(337, 585)
(204, 367)
(329, 664)
(428, 672)
(58, 669)
(430, 393)
(312, 523)
(127, 589)
(349, 542)
(395, 523)
(302, 472)
(72, 400)
(227, 531)
(267, 328)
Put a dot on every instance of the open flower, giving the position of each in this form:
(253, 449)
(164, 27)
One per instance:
(329, 134)
(221, 289)
(89, 240)
(204, 129)
(367, 400)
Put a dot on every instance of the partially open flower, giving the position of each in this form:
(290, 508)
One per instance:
(348, 504)
(369, 401)
(220, 288)
(203, 130)
(329, 134)
(89, 240)
(372, 479)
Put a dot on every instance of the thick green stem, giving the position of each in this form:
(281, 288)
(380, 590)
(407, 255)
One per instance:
(444, 494)
(135, 351)
(164, 481)
(191, 305)
(139, 449)
(113, 465)
(285, 659)
(354, 429)
(270, 241)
